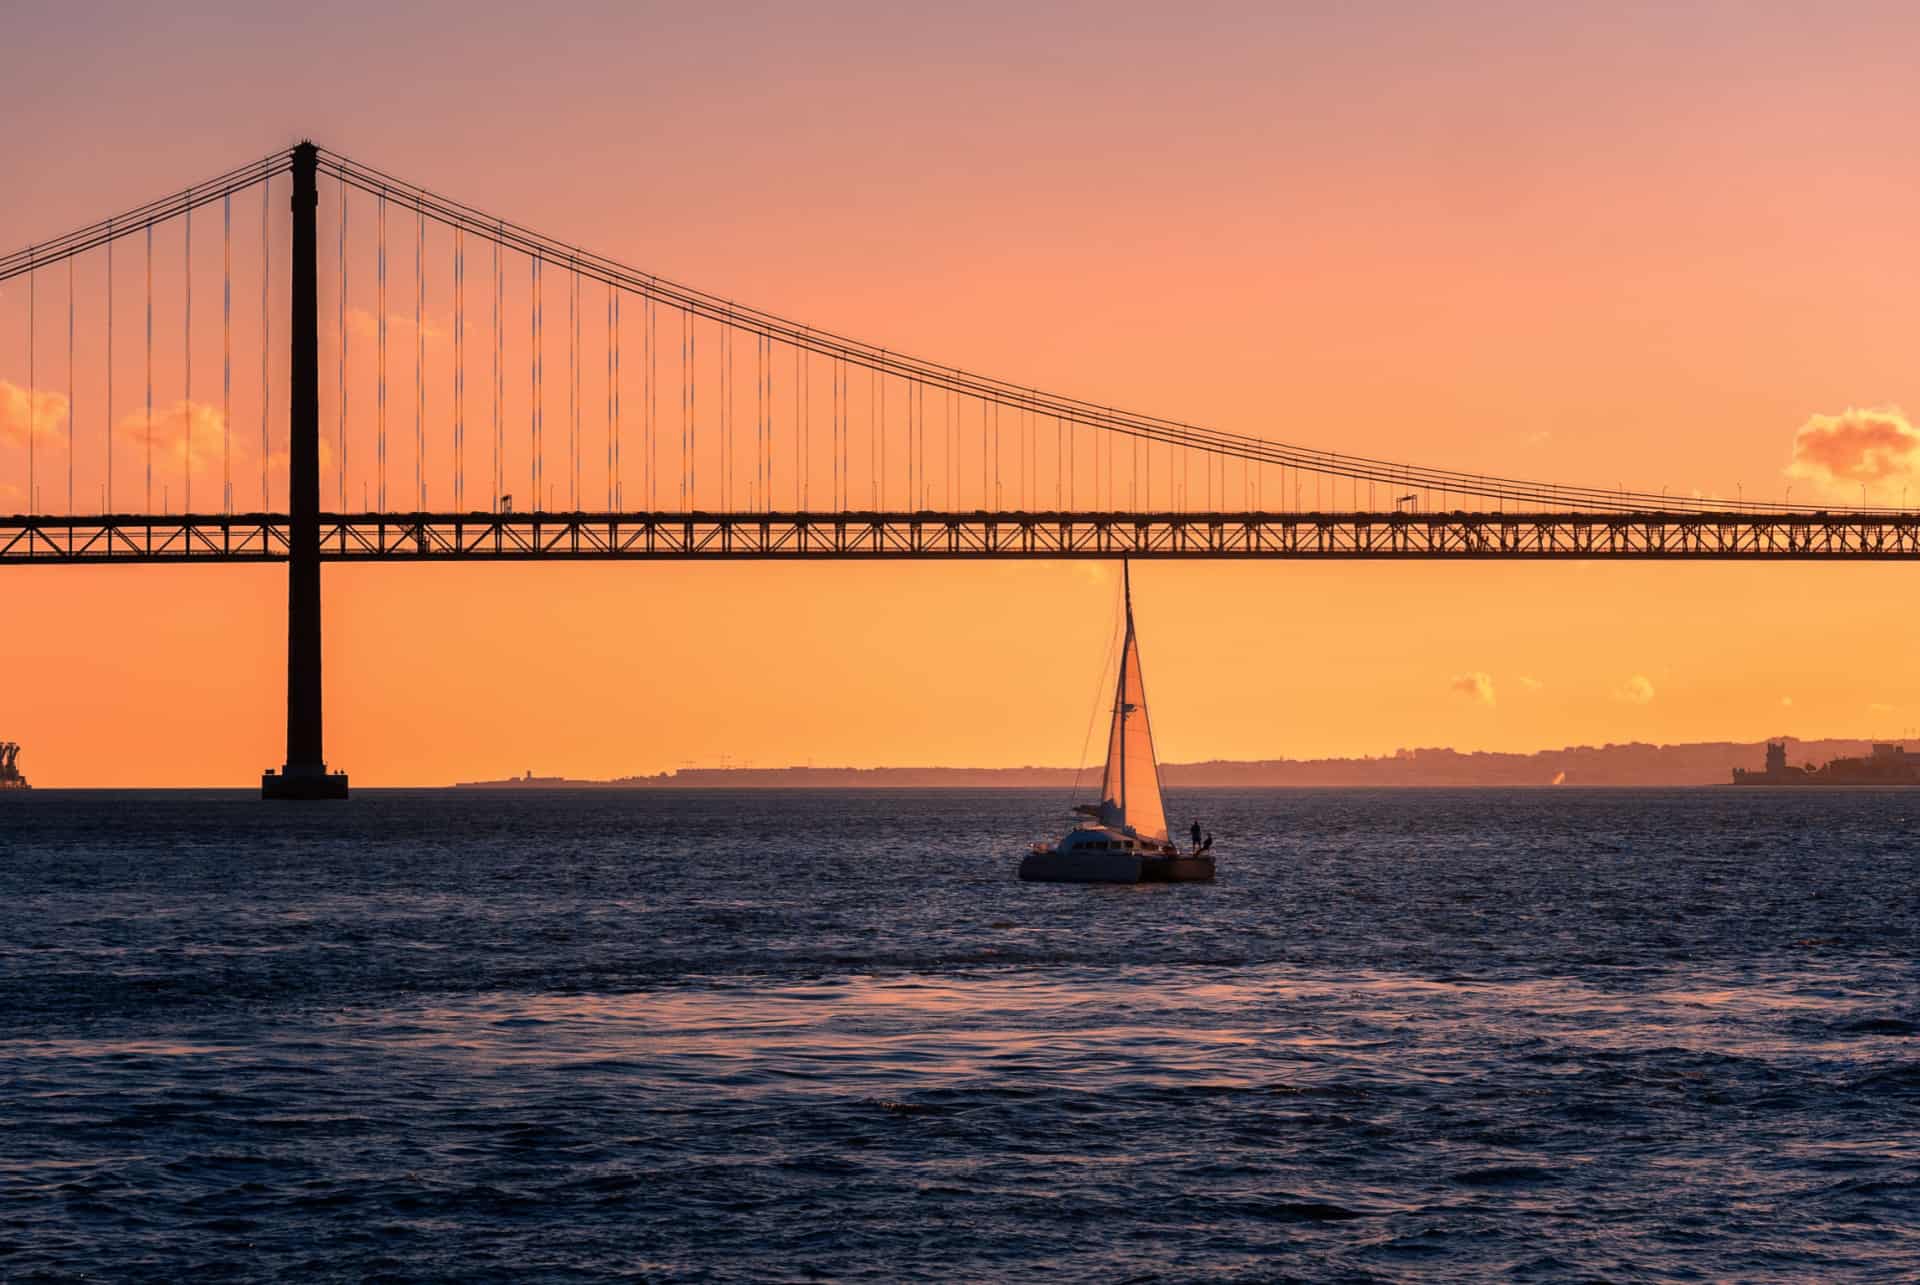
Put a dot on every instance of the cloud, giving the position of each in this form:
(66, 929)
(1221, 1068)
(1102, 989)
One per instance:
(365, 324)
(1530, 683)
(180, 429)
(1637, 690)
(47, 416)
(1476, 686)
(1856, 446)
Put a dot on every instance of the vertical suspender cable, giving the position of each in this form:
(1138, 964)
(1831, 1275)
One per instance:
(613, 398)
(573, 387)
(760, 469)
(722, 371)
(799, 430)
(186, 456)
(226, 360)
(149, 433)
(693, 411)
(649, 401)
(1094, 439)
(807, 421)
(459, 369)
(340, 320)
(763, 420)
(266, 247)
(72, 397)
(999, 488)
(650, 334)
(419, 356)
(107, 495)
(770, 398)
(577, 360)
(539, 396)
(766, 445)
(380, 419)
(733, 421)
(499, 385)
(33, 384)
(686, 409)
(757, 489)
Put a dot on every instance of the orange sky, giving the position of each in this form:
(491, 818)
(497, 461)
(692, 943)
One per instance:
(1642, 248)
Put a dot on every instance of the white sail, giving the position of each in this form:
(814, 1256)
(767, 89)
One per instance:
(1130, 789)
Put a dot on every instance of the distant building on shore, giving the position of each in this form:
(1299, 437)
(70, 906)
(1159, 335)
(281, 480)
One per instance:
(1883, 765)
(10, 778)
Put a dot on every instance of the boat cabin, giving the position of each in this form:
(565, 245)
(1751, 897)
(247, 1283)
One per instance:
(1099, 838)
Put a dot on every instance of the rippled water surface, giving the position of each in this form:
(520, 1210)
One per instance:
(758, 1036)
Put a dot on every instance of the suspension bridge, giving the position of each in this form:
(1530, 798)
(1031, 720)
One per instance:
(333, 355)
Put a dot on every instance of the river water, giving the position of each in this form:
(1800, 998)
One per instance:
(765, 1036)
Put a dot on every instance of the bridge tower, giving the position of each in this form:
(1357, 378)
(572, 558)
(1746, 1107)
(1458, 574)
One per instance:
(304, 775)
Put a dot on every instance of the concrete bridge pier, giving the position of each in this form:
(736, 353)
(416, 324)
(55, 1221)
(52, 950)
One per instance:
(304, 775)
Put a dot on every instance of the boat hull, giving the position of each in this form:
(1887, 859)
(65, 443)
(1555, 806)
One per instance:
(1114, 867)
(1081, 867)
(1193, 869)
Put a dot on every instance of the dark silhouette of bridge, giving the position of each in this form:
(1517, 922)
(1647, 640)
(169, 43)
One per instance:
(837, 449)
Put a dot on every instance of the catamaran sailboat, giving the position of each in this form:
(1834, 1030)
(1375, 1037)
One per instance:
(1124, 837)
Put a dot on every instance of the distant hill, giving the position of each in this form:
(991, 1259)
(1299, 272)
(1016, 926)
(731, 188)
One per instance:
(1702, 763)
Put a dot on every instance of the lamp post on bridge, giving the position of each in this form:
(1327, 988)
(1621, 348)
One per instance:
(304, 775)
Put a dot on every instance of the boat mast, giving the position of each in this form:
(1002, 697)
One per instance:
(1120, 687)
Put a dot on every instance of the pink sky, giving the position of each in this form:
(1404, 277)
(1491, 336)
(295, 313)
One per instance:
(1644, 245)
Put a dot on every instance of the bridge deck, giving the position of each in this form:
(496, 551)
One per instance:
(441, 537)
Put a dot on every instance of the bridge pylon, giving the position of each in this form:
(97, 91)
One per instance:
(304, 775)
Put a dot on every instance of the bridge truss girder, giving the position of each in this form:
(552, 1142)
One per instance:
(479, 537)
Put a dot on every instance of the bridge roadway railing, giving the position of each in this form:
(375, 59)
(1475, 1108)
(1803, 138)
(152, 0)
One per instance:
(444, 537)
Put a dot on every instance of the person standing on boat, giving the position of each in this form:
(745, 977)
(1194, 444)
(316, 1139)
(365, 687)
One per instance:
(1196, 834)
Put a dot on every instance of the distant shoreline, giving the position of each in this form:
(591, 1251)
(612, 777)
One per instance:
(1628, 765)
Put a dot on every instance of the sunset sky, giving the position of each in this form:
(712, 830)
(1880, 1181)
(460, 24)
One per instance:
(1646, 245)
